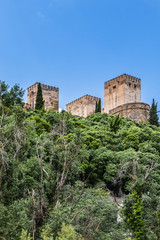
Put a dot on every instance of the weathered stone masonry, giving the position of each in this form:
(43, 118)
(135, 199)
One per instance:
(122, 96)
(83, 106)
(121, 90)
(50, 96)
(138, 112)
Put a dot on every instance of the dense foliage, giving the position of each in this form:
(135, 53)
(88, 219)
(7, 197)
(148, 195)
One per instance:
(10, 96)
(65, 177)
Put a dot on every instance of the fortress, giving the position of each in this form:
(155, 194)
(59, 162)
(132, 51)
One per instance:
(122, 96)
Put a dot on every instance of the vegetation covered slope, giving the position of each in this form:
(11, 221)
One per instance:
(64, 177)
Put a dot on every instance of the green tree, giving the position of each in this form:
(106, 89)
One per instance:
(39, 98)
(3, 90)
(12, 96)
(98, 106)
(133, 211)
(68, 233)
(25, 236)
(153, 118)
(46, 233)
(115, 123)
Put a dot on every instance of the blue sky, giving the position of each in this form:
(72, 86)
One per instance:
(77, 45)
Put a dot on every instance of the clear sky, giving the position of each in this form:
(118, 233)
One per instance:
(77, 45)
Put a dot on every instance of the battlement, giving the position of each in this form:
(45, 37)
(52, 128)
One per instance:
(44, 87)
(124, 78)
(85, 97)
(122, 95)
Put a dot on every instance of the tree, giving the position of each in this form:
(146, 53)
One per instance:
(3, 90)
(46, 233)
(11, 97)
(133, 212)
(25, 236)
(98, 106)
(39, 98)
(68, 233)
(153, 118)
(115, 123)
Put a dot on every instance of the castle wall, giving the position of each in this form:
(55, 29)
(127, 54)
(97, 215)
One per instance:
(50, 96)
(138, 112)
(121, 90)
(83, 106)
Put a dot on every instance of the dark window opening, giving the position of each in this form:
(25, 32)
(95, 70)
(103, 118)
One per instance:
(129, 84)
(114, 87)
(135, 86)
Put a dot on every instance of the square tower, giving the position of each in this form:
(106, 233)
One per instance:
(50, 96)
(83, 107)
(121, 90)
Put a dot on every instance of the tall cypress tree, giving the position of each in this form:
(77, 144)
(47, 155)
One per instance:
(153, 118)
(98, 106)
(39, 98)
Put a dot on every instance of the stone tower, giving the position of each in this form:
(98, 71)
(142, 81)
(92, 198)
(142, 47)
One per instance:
(122, 96)
(83, 106)
(121, 90)
(50, 96)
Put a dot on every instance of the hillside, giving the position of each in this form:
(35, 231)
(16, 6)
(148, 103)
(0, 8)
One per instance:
(64, 177)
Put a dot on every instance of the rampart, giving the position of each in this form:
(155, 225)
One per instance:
(138, 111)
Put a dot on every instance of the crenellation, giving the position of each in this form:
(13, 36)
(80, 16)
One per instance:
(122, 96)
(121, 80)
(81, 98)
(50, 96)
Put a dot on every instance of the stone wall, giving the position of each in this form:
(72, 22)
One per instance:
(83, 106)
(121, 90)
(50, 96)
(138, 112)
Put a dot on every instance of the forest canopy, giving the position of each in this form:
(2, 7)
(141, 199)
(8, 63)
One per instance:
(65, 177)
